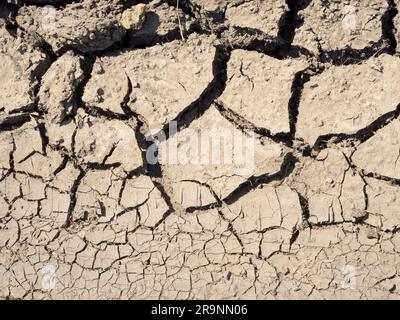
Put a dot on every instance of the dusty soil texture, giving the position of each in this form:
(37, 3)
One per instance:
(86, 85)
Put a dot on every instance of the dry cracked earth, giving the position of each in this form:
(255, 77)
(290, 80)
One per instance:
(85, 215)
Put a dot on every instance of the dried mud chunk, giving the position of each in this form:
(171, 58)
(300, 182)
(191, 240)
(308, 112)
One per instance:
(41, 165)
(108, 142)
(127, 221)
(4, 207)
(100, 233)
(165, 79)
(32, 188)
(259, 89)
(141, 193)
(161, 23)
(251, 242)
(371, 89)
(265, 208)
(54, 208)
(212, 151)
(6, 149)
(214, 250)
(28, 141)
(105, 258)
(87, 26)
(22, 64)
(338, 25)
(154, 210)
(383, 205)
(65, 179)
(86, 257)
(70, 246)
(192, 194)
(28, 155)
(333, 191)
(274, 241)
(260, 15)
(136, 191)
(107, 90)
(380, 154)
(58, 86)
(10, 187)
(209, 220)
(203, 223)
(9, 233)
(133, 18)
(97, 196)
(61, 135)
(142, 240)
(320, 238)
(352, 199)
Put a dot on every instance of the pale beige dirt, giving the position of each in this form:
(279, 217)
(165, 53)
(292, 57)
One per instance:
(259, 15)
(347, 99)
(87, 87)
(329, 25)
(248, 93)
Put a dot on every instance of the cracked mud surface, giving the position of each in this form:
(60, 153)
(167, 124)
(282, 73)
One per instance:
(84, 214)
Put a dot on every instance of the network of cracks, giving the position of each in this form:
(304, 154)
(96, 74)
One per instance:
(84, 214)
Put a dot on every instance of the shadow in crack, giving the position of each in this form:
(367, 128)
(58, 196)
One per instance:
(208, 96)
(290, 20)
(361, 135)
(252, 183)
(386, 44)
